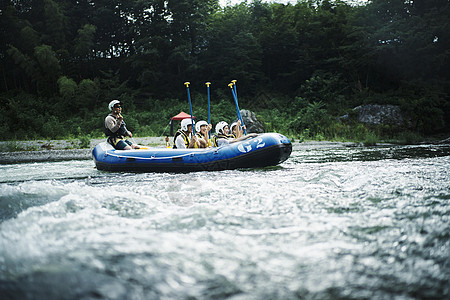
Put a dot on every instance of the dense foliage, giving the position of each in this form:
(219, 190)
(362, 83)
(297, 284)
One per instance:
(299, 67)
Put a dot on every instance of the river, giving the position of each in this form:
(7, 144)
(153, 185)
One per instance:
(332, 222)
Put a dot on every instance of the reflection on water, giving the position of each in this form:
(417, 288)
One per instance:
(329, 223)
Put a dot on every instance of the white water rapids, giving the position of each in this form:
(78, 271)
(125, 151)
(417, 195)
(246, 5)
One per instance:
(329, 223)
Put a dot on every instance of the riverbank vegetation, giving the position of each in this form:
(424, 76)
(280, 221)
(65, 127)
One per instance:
(299, 67)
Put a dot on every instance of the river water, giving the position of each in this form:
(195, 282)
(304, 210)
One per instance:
(332, 222)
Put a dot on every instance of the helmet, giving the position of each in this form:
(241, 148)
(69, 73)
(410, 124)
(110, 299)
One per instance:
(112, 103)
(220, 126)
(185, 123)
(199, 125)
(232, 125)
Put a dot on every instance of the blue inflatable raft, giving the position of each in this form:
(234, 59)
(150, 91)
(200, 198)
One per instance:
(268, 149)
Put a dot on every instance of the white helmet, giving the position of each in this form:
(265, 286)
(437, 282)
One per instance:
(220, 126)
(185, 123)
(112, 103)
(200, 124)
(232, 125)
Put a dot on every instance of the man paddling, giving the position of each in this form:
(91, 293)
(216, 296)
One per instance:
(115, 128)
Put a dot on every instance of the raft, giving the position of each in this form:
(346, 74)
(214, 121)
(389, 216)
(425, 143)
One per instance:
(268, 149)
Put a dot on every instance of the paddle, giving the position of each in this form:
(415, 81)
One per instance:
(209, 106)
(234, 86)
(187, 83)
(234, 93)
(237, 105)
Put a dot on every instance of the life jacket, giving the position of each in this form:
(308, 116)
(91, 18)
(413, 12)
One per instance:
(120, 133)
(219, 136)
(185, 137)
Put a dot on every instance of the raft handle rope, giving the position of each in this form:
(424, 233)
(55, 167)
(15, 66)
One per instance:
(153, 157)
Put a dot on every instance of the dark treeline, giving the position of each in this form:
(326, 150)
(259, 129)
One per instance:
(299, 67)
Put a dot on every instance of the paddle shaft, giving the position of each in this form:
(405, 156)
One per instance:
(209, 106)
(190, 106)
(233, 92)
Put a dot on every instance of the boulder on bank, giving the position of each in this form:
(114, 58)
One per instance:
(376, 114)
(251, 122)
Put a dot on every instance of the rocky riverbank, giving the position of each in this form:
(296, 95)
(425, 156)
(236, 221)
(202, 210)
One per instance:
(54, 150)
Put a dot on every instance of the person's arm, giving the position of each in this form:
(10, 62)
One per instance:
(111, 124)
(202, 143)
(193, 141)
(207, 135)
(244, 137)
(239, 131)
(119, 120)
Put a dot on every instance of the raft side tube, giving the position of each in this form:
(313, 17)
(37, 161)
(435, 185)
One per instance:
(262, 151)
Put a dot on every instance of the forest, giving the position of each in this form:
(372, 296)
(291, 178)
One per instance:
(298, 67)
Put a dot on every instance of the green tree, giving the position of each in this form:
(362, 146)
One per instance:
(49, 69)
(54, 29)
(233, 51)
(67, 87)
(84, 46)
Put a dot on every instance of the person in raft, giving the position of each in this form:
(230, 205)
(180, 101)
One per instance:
(223, 136)
(183, 137)
(115, 128)
(235, 132)
(202, 129)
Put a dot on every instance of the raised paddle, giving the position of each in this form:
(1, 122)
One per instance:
(187, 83)
(209, 106)
(233, 92)
(234, 86)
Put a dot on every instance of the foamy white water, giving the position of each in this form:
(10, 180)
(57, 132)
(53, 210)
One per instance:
(329, 223)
